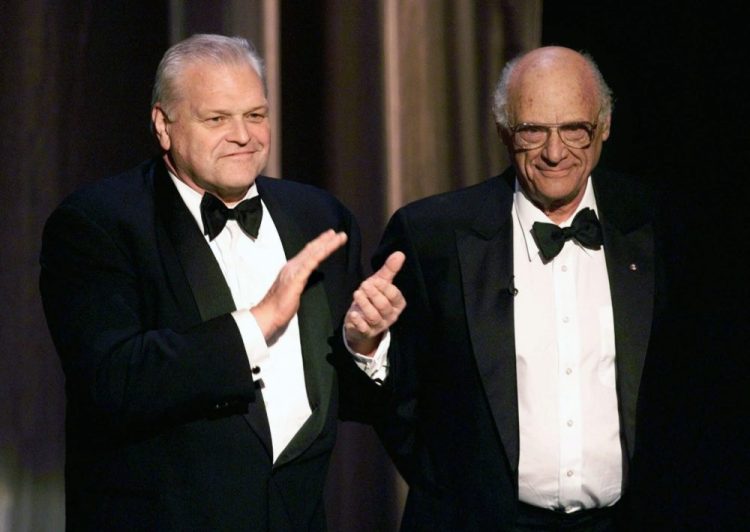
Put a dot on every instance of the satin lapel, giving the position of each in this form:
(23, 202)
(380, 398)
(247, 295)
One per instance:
(210, 291)
(210, 294)
(314, 317)
(631, 270)
(486, 258)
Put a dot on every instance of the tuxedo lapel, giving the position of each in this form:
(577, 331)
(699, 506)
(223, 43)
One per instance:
(314, 318)
(629, 252)
(187, 256)
(207, 284)
(486, 260)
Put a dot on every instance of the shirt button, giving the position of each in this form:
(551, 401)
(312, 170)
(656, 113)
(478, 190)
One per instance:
(568, 371)
(564, 268)
(569, 473)
(570, 423)
(566, 319)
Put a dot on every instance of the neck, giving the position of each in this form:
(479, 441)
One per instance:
(560, 213)
(230, 198)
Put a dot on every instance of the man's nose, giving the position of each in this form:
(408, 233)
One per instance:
(240, 131)
(554, 150)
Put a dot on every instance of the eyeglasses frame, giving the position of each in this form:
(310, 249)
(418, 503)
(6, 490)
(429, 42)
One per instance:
(590, 126)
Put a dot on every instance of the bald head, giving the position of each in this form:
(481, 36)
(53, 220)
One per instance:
(551, 69)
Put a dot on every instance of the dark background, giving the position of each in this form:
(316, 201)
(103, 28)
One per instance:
(679, 75)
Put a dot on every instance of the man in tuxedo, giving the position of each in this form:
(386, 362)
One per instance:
(194, 304)
(514, 370)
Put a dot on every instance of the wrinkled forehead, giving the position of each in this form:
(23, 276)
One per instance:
(201, 79)
(553, 91)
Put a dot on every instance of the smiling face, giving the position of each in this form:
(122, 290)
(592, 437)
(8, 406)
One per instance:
(553, 86)
(216, 135)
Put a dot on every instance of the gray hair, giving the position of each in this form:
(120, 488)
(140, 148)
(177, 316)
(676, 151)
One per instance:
(500, 96)
(209, 48)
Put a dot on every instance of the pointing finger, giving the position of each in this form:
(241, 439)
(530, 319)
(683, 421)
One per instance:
(391, 267)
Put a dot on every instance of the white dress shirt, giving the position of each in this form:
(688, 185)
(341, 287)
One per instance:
(570, 450)
(376, 365)
(250, 267)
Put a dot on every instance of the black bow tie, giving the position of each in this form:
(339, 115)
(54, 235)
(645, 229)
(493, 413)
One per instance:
(585, 228)
(215, 215)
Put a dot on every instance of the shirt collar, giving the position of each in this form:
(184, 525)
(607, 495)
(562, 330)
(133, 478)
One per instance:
(192, 198)
(527, 213)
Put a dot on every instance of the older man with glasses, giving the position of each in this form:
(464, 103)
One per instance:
(514, 370)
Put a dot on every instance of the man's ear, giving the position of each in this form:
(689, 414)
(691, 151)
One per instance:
(606, 126)
(504, 135)
(159, 124)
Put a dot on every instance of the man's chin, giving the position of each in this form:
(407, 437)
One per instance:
(234, 189)
(238, 170)
(554, 197)
(239, 177)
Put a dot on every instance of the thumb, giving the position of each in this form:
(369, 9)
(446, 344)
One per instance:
(391, 267)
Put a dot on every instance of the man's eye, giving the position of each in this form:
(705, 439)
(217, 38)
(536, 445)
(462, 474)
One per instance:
(533, 129)
(532, 133)
(215, 119)
(256, 117)
(574, 128)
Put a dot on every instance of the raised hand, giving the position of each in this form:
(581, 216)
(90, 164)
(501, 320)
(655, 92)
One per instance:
(376, 306)
(281, 302)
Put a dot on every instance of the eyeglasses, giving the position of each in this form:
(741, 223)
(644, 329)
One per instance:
(527, 136)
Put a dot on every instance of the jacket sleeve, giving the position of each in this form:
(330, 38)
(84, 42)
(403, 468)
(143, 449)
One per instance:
(398, 426)
(120, 367)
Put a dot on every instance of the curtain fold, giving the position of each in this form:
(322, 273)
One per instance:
(442, 59)
(38, 43)
(73, 108)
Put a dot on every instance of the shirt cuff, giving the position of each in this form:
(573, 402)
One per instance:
(252, 337)
(375, 366)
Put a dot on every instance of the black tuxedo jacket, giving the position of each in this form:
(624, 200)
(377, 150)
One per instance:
(165, 429)
(453, 423)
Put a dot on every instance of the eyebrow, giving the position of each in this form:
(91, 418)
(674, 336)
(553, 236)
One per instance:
(219, 111)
